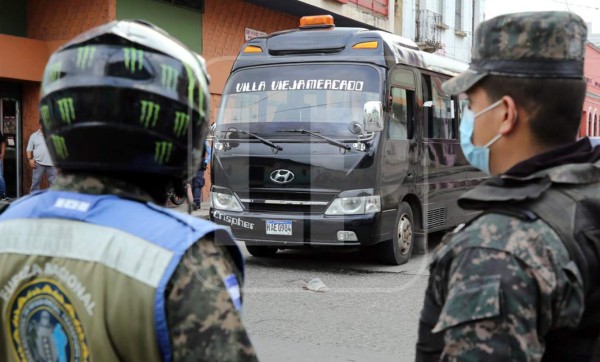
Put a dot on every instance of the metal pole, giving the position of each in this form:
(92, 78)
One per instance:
(19, 147)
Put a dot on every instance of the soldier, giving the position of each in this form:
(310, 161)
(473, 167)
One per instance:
(94, 263)
(520, 282)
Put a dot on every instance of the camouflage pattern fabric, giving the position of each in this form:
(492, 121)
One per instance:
(496, 288)
(547, 35)
(204, 323)
(202, 319)
(531, 44)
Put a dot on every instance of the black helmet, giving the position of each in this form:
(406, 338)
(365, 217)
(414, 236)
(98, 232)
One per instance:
(125, 96)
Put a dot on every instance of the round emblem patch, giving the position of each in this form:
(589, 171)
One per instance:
(44, 326)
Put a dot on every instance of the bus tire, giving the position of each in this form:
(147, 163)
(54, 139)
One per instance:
(260, 251)
(398, 250)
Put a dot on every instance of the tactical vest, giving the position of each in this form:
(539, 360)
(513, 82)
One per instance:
(83, 277)
(567, 198)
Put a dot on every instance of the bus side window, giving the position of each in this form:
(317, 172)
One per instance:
(427, 121)
(444, 117)
(401, 121)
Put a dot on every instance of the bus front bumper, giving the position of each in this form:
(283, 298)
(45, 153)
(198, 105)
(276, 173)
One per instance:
(297, 230)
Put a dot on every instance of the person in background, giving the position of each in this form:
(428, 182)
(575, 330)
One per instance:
(199, 181)
(39, 159)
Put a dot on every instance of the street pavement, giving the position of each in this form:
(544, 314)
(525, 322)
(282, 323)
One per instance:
(369, 312)
(202, 212)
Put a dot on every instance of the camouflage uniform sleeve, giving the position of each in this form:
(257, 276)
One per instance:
(495, 290)
(203, 321)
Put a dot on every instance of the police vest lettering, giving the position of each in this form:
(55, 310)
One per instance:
(50, 270)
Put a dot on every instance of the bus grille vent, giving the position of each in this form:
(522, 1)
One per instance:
(436, 218)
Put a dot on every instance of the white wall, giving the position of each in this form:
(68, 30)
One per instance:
(456, 46)
(409, 19)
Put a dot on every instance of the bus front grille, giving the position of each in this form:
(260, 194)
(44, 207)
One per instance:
(286, 203)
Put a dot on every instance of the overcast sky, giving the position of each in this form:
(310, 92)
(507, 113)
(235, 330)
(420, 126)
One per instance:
(589, 10)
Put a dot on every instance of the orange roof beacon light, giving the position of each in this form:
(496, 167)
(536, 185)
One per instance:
(316, 21)
(252, 49)
(366, 45)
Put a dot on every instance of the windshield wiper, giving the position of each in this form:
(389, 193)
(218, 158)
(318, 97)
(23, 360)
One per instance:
(329, 140)
(254, 135)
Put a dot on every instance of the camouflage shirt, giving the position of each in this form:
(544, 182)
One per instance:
(203, 322)
(496, 288)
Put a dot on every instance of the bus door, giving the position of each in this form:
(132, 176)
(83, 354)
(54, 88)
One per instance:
(399, 156)
(444, 168)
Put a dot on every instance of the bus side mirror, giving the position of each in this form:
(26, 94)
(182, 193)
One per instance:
(373, 120)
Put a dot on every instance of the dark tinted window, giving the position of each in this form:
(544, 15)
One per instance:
(401, 120)
(441, 118)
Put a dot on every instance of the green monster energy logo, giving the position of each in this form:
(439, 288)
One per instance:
(67, 111)
(169, 77)
(45, 112)
(60, 146)
(85, 56)
(163, 152)
(149, 114)
(134, 57)
(54, 69)
(181, 123)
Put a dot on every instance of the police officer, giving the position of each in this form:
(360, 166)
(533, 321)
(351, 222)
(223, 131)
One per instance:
(93, 269)
(520, 282)
(198, 181)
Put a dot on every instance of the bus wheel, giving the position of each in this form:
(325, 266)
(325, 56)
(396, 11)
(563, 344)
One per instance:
(398, 250)
(261, 251)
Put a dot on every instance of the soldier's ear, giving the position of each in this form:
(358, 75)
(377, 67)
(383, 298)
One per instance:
(510, 115)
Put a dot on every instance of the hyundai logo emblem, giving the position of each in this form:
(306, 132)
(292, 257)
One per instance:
(282, 176)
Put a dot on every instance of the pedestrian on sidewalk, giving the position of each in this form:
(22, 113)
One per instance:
(199, 181)
(521, 282)
(39, 159)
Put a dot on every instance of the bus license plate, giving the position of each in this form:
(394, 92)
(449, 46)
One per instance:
(279, 227)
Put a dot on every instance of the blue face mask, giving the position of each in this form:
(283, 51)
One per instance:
(476, 155)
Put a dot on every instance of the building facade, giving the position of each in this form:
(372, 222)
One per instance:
(444, 27)
(590, 119)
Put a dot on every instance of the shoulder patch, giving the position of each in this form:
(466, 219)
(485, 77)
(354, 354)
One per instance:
(44, 325)
(233, 288)
(527, 240)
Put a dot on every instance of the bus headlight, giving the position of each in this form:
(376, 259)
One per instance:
(226, 202)
(354, 205)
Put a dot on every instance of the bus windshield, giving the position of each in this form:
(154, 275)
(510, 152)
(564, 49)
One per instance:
(323, 99)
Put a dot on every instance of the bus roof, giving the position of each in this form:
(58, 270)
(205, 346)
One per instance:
(341, 45)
